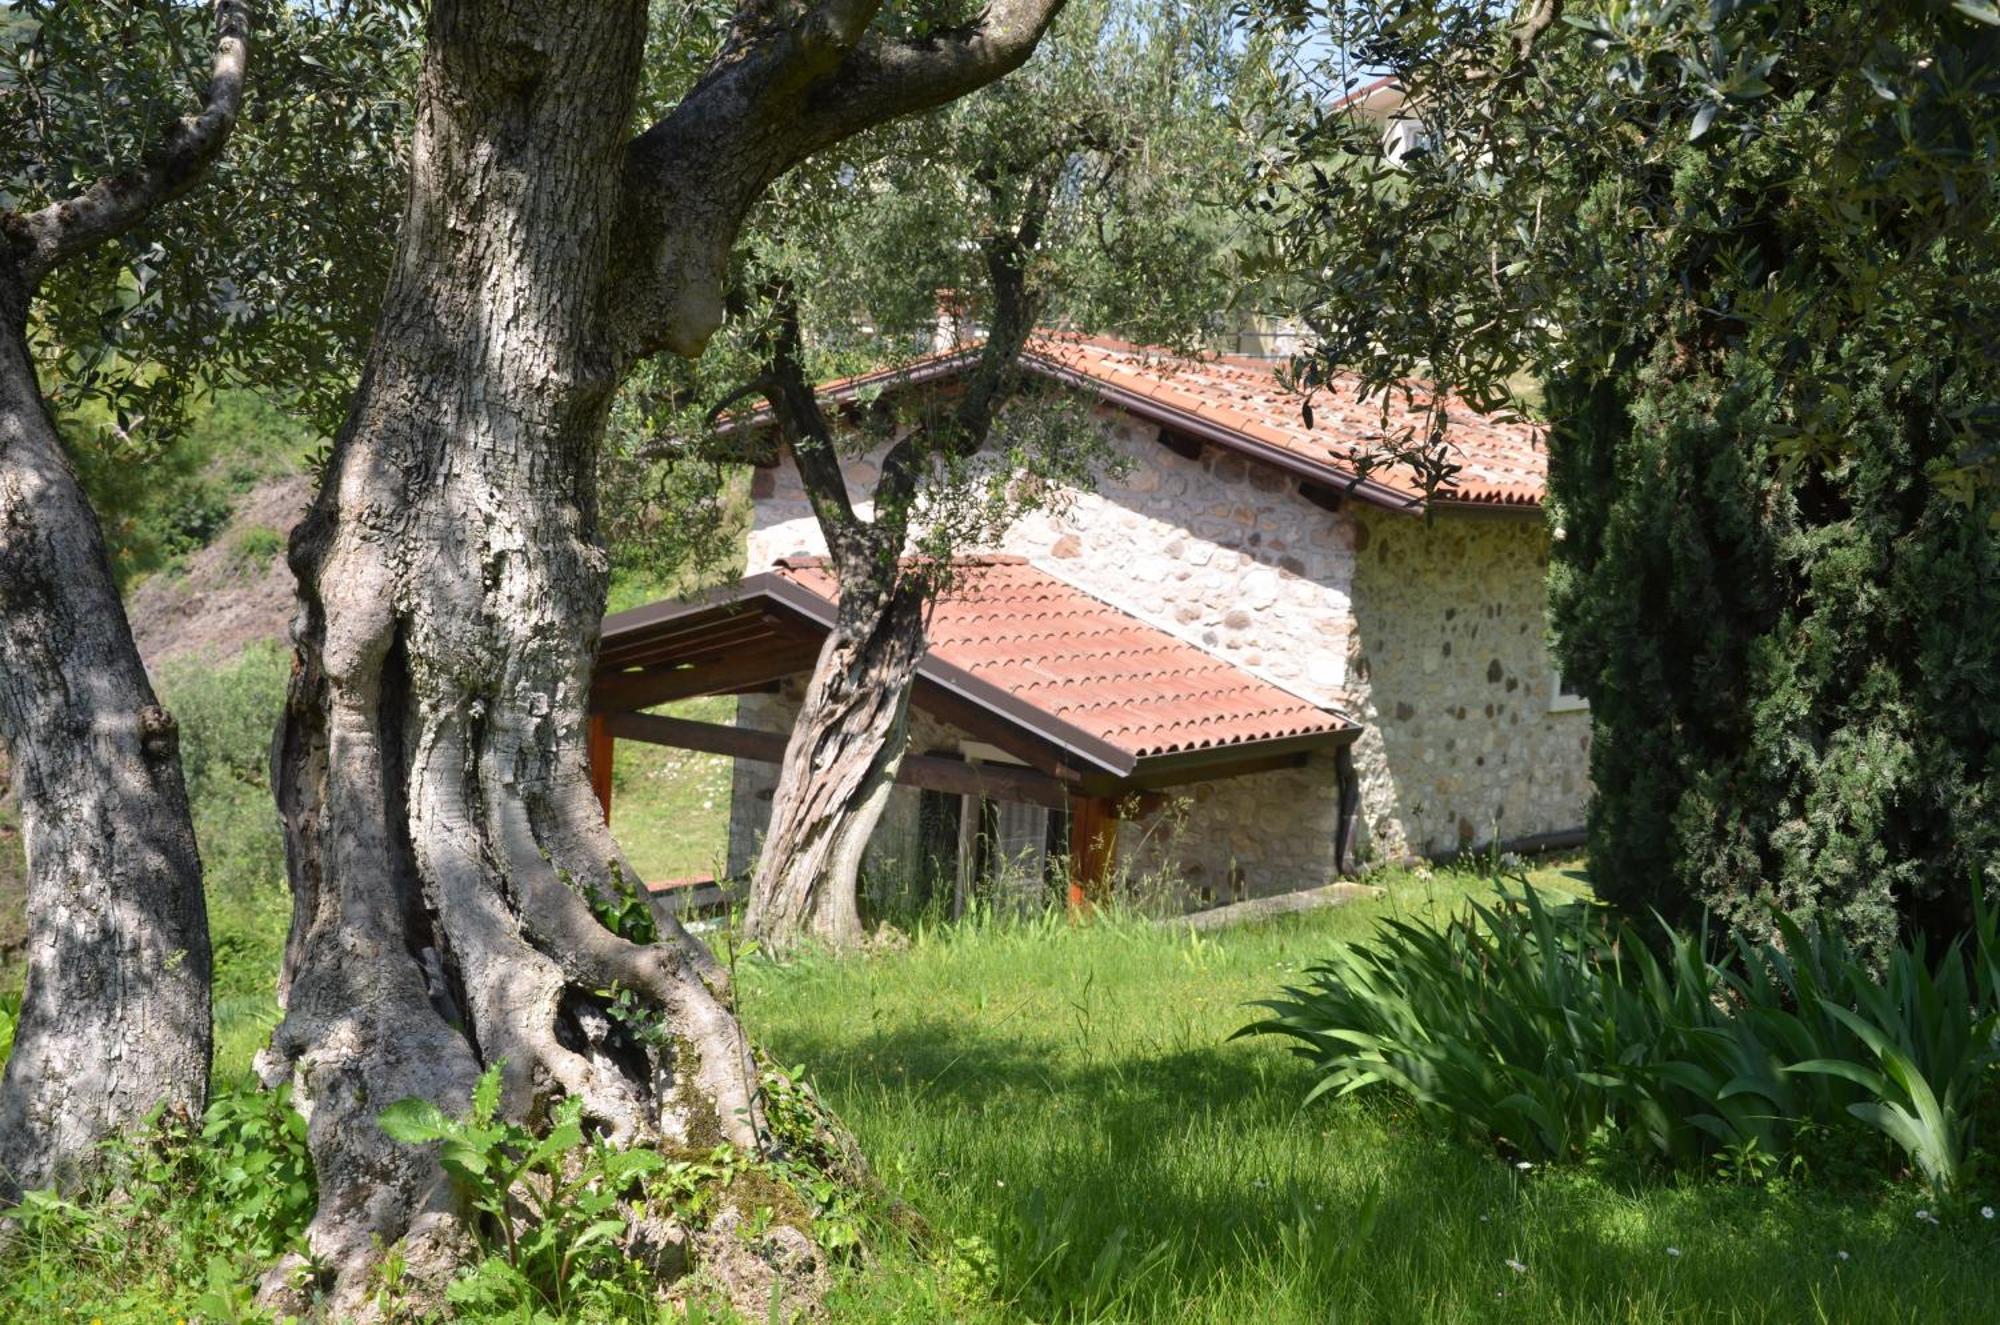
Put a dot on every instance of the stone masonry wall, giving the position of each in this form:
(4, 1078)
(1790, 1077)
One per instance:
(1430, 632)
(1211, 843)
(1450, 671)
(1217, 551)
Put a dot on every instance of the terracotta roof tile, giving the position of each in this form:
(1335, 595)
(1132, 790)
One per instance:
(1093, 666)
(1500, 462)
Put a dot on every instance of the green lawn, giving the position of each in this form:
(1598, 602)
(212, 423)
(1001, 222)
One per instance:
(670, 808)
(1064, 1109)
(1065, 1106)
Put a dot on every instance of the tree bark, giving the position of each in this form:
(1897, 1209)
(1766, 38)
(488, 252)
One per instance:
(431, 772)
(851, 732)
(115, 1017)
(839, 766)
(443, 843)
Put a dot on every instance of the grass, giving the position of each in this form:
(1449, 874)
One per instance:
(1065, 1109)
(670, 808)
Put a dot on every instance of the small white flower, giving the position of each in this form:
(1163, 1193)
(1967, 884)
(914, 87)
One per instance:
(1524, 1166)
(1841, 1254)
(1986, 1212)
(1926, 1217)
(1516, 1266)
(1482, 1219)
(1673, 1251)
(999, 1182)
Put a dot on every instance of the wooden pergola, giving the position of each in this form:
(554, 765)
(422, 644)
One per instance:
(765, 628)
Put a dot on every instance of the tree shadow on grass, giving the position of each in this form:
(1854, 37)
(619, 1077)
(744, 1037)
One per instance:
(1133, 1187)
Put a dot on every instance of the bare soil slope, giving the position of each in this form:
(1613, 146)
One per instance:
(233, 593)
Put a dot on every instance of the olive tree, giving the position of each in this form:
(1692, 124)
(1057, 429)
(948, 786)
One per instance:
(115, 1017)
(445, 853)
(1074, 192)
(119, 310)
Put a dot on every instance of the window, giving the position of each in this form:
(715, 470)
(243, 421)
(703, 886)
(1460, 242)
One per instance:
(1562, 698)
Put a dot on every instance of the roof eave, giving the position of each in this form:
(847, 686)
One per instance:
(1146, 407)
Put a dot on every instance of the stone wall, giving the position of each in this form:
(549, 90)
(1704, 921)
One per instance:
(1211, 843)
(1429, 632)
(1215, 550)
(1450, 671)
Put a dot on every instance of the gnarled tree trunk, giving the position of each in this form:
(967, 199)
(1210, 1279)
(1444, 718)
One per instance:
(839, 766)
(431, 773)
(443, 843)
(116, 1014)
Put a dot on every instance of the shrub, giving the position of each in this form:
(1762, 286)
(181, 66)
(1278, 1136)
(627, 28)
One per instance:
(1557, 1035)
(204, 1206)
(1789, 668)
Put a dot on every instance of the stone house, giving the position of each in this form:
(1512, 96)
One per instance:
(1236, 667)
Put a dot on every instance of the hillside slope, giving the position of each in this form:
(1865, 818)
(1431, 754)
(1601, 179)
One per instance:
(229, 595)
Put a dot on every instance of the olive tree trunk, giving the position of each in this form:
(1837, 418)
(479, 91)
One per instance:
(443, 843)
(840, 764)
(441, 833)
(851, 732)
(115, 1017)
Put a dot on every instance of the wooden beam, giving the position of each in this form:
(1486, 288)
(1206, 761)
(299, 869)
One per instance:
(602, 749)
(984, 725)
(1093, 847)
(621, 691)
(931, 772)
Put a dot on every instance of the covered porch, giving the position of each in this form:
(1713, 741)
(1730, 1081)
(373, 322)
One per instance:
(1064, 711)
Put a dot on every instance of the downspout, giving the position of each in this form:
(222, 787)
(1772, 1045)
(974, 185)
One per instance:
(1348, 784)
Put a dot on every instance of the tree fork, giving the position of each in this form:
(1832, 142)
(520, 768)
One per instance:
(442, 837)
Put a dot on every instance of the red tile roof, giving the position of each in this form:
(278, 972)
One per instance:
(1500, 463)
(1239, 403)
(1094, 667)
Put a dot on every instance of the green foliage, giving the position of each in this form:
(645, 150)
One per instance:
(551, 1205)
(205, 1207)
(269, 275)
(1747, 253)
(10, 1016)
(1789, 670)
(560, 1208)
(164, 492)
(254, 1145)
(1559, 1037)
(227, 715)
(1088, 1063)
(624, 910)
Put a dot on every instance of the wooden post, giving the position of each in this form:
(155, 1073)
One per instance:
(602, 747)
(1093, 847)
